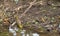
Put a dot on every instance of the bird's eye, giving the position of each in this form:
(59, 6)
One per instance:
(48, 30)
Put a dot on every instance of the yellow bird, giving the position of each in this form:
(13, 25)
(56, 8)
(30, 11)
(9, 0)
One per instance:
(20, 26)
(18, 22)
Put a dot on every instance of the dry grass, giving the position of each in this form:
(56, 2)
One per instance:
(35, 13)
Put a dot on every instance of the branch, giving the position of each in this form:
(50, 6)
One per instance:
(31, 4)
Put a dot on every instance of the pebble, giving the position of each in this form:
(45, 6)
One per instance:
(59, 25)
(53, 18)
(35, 21)
(1, 20)
(23, 31)
(12, 31)
(35, 34)
(16, 1)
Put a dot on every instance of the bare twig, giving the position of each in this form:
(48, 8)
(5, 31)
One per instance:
(23, 6)
(13, 24)
(17, 18)
(28, 8)
(19, 7)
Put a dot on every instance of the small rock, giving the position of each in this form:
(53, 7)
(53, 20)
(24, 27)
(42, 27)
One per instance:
(16, 1)
(1, 20)
(35, 34)
(59, 25)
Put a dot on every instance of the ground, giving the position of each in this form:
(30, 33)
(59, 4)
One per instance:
(41, 16)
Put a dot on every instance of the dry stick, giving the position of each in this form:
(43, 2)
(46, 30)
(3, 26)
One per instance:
(24, 12)
(13, 23)
(19, 7)
(32, 3)
(37, 2)
(28, 8)
(19, 22)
